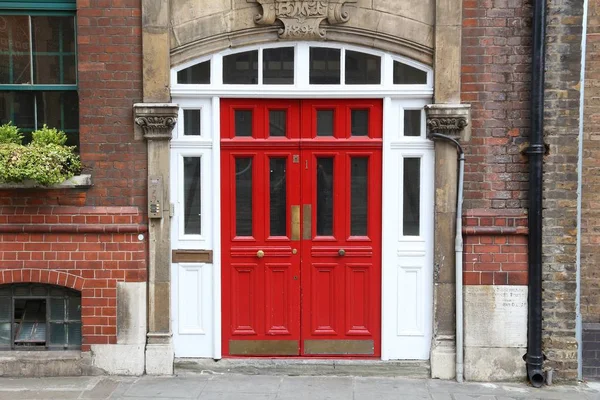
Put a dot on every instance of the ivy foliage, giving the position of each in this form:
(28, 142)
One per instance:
(46, 160)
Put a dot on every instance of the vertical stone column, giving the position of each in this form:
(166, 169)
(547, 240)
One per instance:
(447, 64)
(156, 117)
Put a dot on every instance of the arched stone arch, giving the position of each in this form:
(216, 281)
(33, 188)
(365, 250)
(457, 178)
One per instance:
(43, 276)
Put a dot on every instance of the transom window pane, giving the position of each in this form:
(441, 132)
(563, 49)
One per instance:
(277, 122)
(325, 122)
(360, 122)
(278, 66)
(191, 122)
(407, 75)
(324, 66)
(412, 122)
(192, 196)
(243, 123)
(362, 68)
(196, 74)
(241, 68)
(412, 196)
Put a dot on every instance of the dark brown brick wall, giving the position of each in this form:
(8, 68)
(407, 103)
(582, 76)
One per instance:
(110, 81)
(561, 128)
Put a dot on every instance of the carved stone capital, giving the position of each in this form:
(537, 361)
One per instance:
(449, 119)
(156, 119)
(302, 18)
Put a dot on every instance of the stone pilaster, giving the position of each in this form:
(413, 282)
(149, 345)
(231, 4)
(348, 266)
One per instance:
(157, 121)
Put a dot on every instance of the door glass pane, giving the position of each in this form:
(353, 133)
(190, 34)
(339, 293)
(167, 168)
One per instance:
(407, 75)
(324, 66)
(15, 66)
(362, 68)
(325, 196)
(191, 196)
(243, 196)
(277, 122)
(324, 122)
(191, 122)
(360, 122)
(243, 123)
(241, 68)
(412, 122)
(278, 205)
(412, 196)
(278, 66)
(358, 196)
(196, 74)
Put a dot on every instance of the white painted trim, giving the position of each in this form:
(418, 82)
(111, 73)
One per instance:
(291, 92)
(216, 190)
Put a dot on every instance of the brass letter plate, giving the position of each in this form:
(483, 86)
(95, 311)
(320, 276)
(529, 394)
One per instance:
(306, 222)
(183, 256)
(295, 222)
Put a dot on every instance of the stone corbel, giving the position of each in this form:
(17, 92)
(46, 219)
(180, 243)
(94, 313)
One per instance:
(302, 19)
(156, 119)
(453, 120)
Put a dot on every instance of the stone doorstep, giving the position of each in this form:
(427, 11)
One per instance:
(305, 367)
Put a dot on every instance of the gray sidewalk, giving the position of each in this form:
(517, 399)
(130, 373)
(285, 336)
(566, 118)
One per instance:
(261, 387)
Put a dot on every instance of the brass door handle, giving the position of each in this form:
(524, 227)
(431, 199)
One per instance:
(260, 254)
(341, 252)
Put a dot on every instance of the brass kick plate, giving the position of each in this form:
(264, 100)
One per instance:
(339, 347)
(295, 222)
(306, 222)
(264, 347)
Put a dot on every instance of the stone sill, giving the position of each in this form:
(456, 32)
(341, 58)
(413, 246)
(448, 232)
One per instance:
(40, 355)
(77, 182)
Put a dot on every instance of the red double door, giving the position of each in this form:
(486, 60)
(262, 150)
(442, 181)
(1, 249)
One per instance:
(301, 227)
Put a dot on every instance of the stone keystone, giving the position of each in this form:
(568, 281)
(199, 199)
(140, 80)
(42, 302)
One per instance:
(302, 19)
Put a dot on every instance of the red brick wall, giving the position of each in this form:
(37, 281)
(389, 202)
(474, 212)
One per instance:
(89, 249)
(109, 44)
(495, 250)
(496, 61)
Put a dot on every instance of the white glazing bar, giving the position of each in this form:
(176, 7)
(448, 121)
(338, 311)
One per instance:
(216, 228)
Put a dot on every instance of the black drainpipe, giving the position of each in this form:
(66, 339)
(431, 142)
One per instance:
(534, 357)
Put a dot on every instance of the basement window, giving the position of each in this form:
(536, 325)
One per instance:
(39, 317)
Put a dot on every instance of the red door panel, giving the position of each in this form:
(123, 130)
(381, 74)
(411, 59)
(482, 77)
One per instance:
(315, 290)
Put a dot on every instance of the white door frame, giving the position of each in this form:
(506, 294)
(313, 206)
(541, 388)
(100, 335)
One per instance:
(400, 339)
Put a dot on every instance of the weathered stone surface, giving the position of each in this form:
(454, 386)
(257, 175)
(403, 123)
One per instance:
(119, 359)
(488, 364)
(131, 313)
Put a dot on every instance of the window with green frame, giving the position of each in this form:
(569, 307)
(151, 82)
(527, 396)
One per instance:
(38, 66)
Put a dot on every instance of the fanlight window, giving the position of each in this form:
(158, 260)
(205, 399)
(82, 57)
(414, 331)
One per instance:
(325, 66)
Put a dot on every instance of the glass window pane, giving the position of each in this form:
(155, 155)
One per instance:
(243, 123)
(243, 196)
(57, 309)
(358, 196)
(196, 74)
(412, 196)
(53, 48)
(324, 66)
(60, 110)
(325, 122)
(39, 290)
(15, 60)
(241, 68)
(278, 66)
(412, 122)
(74, 308)
(360, 122)
(58, 334)
(324, 196)
(191, 195)
(362, 68)
(407, 75)
(277, 122)
(191, 122)
(278, 205)
(74, 332)
(4, 334)
(18, 107)
(5, 305)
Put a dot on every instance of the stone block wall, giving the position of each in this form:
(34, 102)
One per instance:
(561, 129)
(590, 221)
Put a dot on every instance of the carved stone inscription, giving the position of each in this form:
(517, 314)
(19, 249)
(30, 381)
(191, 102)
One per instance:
(302, 19)
(495, 316)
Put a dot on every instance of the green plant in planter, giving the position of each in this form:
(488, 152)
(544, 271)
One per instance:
(10, 134)
(46, 160)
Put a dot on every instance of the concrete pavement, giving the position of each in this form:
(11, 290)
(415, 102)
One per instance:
(225, 386)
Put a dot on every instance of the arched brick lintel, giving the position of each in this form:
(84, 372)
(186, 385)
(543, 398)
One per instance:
(42, 276)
